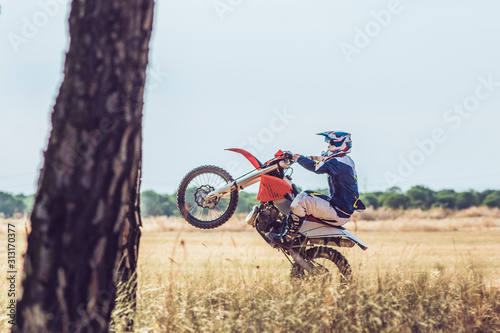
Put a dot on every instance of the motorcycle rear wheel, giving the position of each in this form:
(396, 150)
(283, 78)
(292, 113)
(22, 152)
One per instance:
(329, 265)
(192, 191)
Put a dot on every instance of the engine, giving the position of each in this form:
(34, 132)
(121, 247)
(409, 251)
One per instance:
(267, 217)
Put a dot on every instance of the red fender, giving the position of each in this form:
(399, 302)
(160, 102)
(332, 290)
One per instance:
(252, 159)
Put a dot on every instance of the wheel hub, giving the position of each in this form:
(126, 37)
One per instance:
(201, 195)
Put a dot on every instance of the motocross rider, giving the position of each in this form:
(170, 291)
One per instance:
(343, 183)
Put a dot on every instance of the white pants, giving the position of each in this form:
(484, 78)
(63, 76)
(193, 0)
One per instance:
(306, 204)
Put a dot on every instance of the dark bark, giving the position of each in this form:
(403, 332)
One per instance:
(87, 198)
(127, 269)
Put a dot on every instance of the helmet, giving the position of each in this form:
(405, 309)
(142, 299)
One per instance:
(338, 143)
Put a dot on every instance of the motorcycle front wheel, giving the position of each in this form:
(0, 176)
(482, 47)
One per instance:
(193, 190)
(329, 265)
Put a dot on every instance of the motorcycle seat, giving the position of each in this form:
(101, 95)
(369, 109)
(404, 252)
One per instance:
(322, 221)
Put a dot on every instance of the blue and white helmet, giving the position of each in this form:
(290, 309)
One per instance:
(338, 143)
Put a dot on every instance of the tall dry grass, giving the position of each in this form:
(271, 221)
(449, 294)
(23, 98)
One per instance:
(384, 213)
(411, 281)
(230, 280)
(382, 219)
(174, 223)
(211, 300)
(436, 219)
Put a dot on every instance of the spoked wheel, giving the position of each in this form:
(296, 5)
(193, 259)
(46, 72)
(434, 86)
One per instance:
(329, 266)
(193, 190)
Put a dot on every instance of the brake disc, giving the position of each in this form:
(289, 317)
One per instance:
(201, 194)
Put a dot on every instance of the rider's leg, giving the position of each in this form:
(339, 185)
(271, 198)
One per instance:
(292, 226)
(308, 203)
(292, 222)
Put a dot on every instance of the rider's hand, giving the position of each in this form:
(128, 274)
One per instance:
(288, 155)
(296, 156)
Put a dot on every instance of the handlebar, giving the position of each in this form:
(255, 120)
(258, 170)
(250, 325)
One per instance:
(288, 155)
(284, 159)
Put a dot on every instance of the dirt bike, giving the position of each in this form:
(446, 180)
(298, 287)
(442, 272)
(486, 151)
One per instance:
(208, 196)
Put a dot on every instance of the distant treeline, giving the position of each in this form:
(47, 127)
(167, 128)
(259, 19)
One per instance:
(11, 205)
(425, 198)
(153, 204)
(416, 197)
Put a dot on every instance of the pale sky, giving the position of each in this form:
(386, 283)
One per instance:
(417, 83)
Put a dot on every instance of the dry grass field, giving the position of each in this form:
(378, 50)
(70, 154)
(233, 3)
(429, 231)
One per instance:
(434, 271)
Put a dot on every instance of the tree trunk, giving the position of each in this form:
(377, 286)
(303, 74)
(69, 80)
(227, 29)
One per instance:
(87, 198)
(127, 270)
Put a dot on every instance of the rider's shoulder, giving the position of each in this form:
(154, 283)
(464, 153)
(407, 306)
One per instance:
(341, 160)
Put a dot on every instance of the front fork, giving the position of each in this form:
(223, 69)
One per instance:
(239, 184)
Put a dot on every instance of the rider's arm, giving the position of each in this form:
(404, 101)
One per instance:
(314, 158)
(314, 166)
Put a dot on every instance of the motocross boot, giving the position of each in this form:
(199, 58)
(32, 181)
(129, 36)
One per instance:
(292, 226)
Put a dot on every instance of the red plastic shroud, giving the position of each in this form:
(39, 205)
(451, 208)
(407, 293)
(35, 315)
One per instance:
(272, 188)
(252, 159)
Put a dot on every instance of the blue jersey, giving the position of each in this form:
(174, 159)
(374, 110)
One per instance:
(342, 180)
